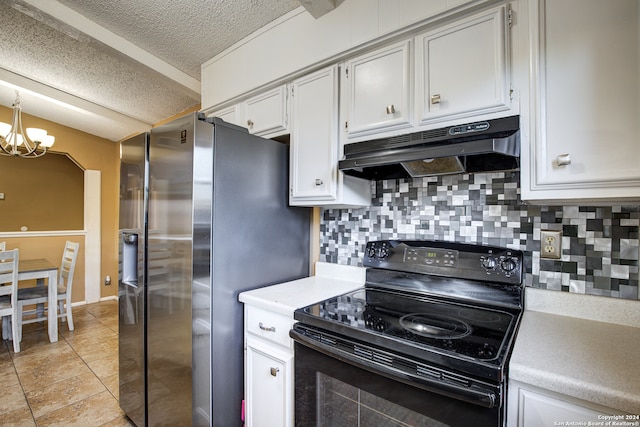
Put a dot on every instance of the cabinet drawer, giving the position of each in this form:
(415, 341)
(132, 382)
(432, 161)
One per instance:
(268, 325)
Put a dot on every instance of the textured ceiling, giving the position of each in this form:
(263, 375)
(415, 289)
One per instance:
(124, 62)
(184, 33)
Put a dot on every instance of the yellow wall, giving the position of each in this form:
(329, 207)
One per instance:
(90, 152)
(49, 197)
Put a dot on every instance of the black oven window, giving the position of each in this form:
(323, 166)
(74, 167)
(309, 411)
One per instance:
(341, 404)
(332, 393)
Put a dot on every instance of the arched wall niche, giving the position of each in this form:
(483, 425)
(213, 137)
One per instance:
(41, 194)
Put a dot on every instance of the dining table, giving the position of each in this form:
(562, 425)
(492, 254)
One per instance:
(41, 269)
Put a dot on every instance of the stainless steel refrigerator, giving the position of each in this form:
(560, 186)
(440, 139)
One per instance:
(204, 215)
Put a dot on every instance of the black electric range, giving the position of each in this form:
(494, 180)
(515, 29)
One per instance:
(438, 309)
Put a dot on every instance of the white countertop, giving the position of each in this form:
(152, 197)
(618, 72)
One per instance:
(330, 280)
(582, 346)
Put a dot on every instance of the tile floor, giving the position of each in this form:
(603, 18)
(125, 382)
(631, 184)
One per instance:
(73, 382)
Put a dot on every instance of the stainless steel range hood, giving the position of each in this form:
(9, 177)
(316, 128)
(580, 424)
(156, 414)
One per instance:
(489, 145)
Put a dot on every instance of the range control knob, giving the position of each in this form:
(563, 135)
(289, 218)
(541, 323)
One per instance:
(489, 263)
(509, 264)
(375, 323)
(382, 252)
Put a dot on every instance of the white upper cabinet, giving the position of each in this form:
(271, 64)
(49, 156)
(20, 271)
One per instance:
(315, 179)
(378, 87)
(314, 147)
(462, 70)
(267, 113)
(583, 140)
(297, 41)
(232, 114)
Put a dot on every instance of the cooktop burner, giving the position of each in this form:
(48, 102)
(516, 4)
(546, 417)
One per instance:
(435, 326)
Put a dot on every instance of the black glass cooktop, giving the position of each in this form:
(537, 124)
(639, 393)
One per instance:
(389, 318)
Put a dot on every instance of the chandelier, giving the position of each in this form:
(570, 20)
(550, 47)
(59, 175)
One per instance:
(14, 141)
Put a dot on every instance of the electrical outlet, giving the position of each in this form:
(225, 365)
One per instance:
(550, 244)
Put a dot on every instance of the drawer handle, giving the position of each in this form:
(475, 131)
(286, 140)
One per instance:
(435, 99)
(391, 109)
(319, 182)
(269, 329)
(274, 372)
(563, 159)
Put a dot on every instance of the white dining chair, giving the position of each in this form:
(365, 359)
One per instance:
(9, 294)
(40, 294)
(6, 325)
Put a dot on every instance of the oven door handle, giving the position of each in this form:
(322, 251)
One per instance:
(474, 394)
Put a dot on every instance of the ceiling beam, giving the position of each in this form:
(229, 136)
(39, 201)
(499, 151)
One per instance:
(75, 108)
(74, 19)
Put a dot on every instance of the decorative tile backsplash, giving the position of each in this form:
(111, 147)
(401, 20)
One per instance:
(599, 244)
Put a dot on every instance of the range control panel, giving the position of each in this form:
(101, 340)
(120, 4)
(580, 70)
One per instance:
(456, 260)
(432, 256)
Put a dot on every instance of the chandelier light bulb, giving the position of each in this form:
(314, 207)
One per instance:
(47, 141)
(5, 128)
(36, 134)
(14, 141)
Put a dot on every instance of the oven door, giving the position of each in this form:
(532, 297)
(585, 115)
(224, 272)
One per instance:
(333, 388)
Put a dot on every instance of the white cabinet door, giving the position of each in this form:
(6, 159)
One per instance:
(314, 142)
(267, 113)
(533, 407)
(378, 86)
(315, 179)
(584, 101)
(232, 114)
(462, 69)
(269, 373)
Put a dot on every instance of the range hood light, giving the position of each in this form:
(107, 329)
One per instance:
(432, 167)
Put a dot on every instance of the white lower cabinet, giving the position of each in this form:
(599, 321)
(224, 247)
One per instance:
(268, 369)
(531, 406)
(269, 374)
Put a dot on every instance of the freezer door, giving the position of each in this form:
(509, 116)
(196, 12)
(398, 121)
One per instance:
(169, 273)
(131, 298)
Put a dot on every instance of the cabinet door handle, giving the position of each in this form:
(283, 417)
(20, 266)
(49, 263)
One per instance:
(250, 123)
(267, 329)
(319, 182)
(274, 372)
(563, 160)
(435, 99)
(391, 109)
